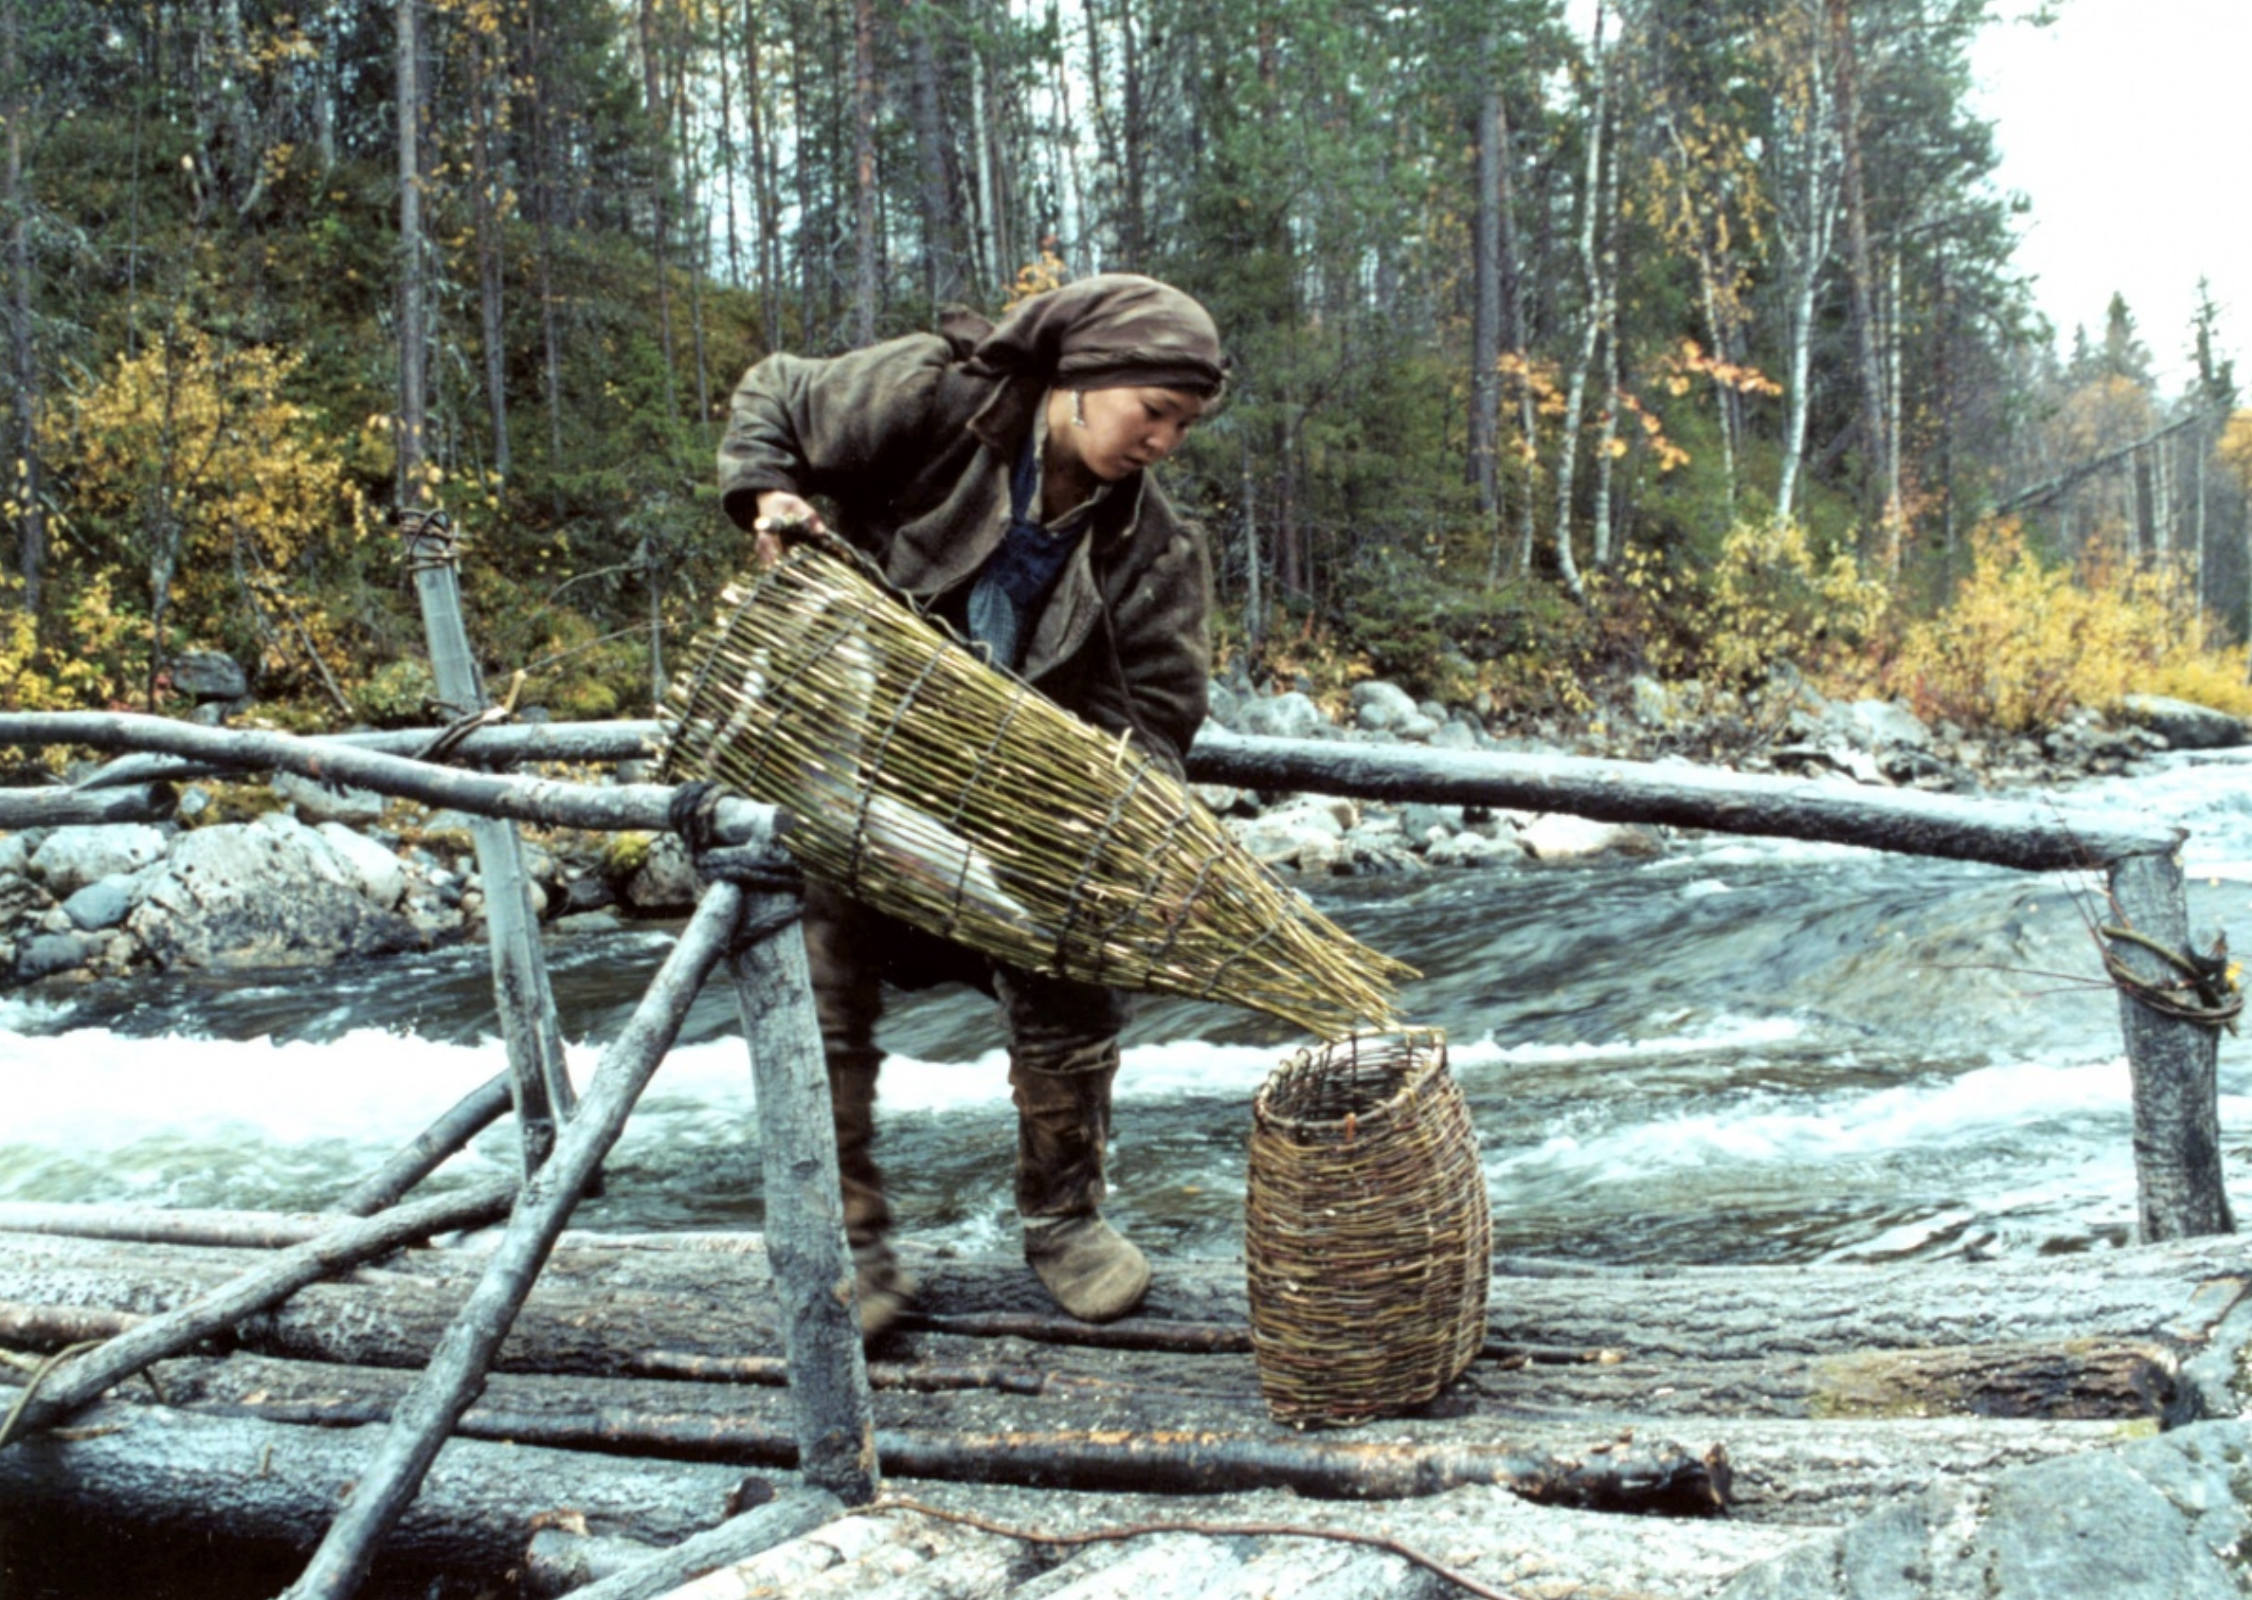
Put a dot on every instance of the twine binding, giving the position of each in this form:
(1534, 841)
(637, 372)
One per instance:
(1368, 1241)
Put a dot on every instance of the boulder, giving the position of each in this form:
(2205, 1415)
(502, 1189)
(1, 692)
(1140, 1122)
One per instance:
(15, 856)
(1285, 716)
(1221, 704)
(664, 883)
(72, 858)
(375, 871)
(1875, 724)
(101, 905)
(2183, 724)
(1468, 849)
(204, 675)
(1651, 701)
(1381, 707)
(1556, 837)
(1455, 735)
(43, 955)
(1308, 833)
(267, 893)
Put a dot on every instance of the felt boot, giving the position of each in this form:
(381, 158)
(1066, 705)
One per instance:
(884, 1288)
(1063, 1124)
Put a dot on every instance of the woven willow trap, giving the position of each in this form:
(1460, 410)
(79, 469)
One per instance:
(1367, 1238)
(963, 802)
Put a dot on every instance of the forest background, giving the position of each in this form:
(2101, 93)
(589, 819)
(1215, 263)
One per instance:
(1677, 344)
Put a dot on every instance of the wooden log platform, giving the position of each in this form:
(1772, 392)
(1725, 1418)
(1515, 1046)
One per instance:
(1650, 1431)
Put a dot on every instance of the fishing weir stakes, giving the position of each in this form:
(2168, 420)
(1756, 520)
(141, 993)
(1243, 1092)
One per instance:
(2038, 1360)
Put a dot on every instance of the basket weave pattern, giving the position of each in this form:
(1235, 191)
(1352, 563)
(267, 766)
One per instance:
(1367, 1237)
(962, 801)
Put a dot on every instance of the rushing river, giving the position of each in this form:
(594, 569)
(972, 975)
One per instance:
(1735, 1050)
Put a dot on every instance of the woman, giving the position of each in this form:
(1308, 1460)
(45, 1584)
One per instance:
(999, 477)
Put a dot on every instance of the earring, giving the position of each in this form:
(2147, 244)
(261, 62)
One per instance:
(1079, 408)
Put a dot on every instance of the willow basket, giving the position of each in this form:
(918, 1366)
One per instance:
(1367, 1237)
(963, 802)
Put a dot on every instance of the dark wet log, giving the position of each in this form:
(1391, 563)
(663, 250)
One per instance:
(2179, 1190)
(805, 1230)
(176, 1475)
(81, 1379)
(432, 1148)
(2036, 838)
(787, 1516)
(72, 808)
(637, 806)
(458, 1367)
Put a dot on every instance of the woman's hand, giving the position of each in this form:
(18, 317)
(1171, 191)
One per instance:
(780, 511)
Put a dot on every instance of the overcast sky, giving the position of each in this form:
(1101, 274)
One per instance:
(2123, 123)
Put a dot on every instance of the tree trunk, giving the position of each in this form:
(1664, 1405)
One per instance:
(660, 191)
(1887, 534)
(23, 358)
(1594, 289)
(942, 246)
(551, 337)
(412, 488)
(1485, 307)
(865, 289)
(486, 201)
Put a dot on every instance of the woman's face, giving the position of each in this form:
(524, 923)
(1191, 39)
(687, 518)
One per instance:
(1126, 429)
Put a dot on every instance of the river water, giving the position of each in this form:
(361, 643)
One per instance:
(1735, 1050)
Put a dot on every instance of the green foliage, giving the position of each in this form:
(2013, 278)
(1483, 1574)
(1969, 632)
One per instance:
(398, 694)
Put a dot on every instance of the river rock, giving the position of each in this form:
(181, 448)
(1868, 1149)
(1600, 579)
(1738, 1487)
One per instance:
(1285, 716)
(316, 802)
(1382, 707)
(1470, 849)
(1455, 734)
(1876, 724)
(1556, 837)
(267, 893)
(2183, 724)
(15, 856)
(664, 882)
(101, 905)
(1221, 704)
(43, 955)
(1307, 833)
(375, 871)
(1650, 701)
(72, 858)
(2159, 1519)
(204, 675)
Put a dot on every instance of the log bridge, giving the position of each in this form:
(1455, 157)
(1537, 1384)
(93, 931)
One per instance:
(616, 1416)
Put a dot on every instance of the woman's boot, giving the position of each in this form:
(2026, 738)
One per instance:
(1063, 1123)
(884, 1287)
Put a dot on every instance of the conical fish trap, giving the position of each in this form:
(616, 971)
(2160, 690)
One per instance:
(963, 802)
(1367, 1239)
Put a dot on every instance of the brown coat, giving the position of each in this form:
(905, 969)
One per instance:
(914, 450)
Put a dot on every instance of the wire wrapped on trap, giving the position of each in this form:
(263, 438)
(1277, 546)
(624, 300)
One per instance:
(1368, 1242)
(963, 802)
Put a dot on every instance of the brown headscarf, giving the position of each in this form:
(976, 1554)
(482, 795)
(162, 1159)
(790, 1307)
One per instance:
(1115, 330)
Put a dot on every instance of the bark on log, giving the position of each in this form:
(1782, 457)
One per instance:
(184, 1476)
(789, 1515)
(545, 800)
(498, 747)
(73, 808)
(80, 1380)
(457, 1369)
(2179, 1189)
(1911, 822)
(629, 1305)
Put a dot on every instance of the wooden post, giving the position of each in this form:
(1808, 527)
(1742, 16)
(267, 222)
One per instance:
(805, 1239)
(457, 1369)
(2178, 1181)
(430, 1149)
(520, 988)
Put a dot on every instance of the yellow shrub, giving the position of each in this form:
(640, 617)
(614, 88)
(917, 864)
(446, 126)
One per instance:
(2023, 642)
(84, 669)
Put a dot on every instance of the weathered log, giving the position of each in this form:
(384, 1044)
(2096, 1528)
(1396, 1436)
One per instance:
(1078, 1441)
(498, 746)
(79, 1381)
(606, 1306)
(572, 805)
(458, 1368)
(431, 1148)
(178, 1475)
(790, 1514)
(55, 807)
(190, 1225)
(2035, 838)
